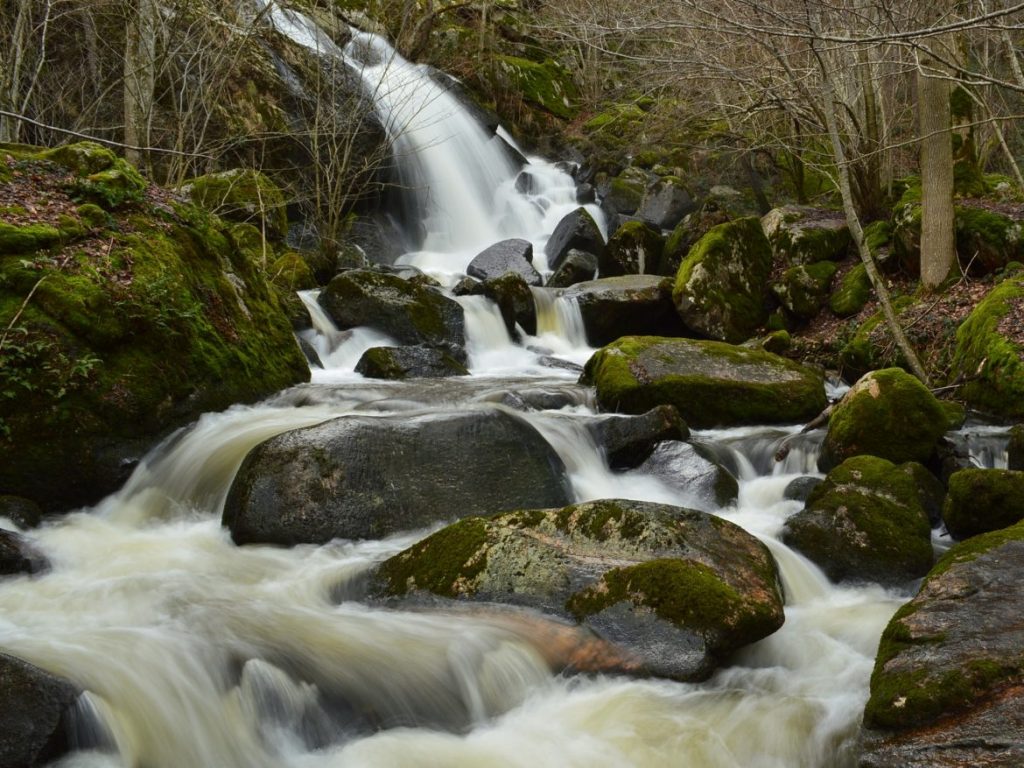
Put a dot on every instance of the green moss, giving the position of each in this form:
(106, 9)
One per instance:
(852, 294)
(444, 563)
(242, 195)
(111, 188)
(634, 248)
(545, 84)
(93, 217)
(290, 271)
(614, 117)
(983, 500)
(968, 178)
(877, 235)
(987, 240)
(27, 238)
(989, 362)
(83, 158)
(803, 289)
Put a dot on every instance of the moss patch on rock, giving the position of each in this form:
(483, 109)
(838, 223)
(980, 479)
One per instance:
(852, 293)
(803, 289)
(242, 195)
(983, 500)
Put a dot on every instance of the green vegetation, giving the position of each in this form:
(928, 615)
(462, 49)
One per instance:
(983, 500)
(445, 563)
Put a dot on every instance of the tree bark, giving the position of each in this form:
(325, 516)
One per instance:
(938, 248)
(139, 75)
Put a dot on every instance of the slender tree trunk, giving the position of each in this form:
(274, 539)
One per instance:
(139, 75)
(938, 248)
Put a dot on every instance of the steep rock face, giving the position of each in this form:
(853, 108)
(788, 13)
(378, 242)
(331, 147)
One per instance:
(410, 312)
(983, 500)
(865, 522)
(356, 477)
(946, 689)
(678, 588)
(632, 305)
(992, 364)
(887, 413)
(140, 314)
(709, 383)
(35, 714)
(720, 286)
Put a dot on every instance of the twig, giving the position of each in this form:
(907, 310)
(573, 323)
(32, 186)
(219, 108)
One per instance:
(10, 325)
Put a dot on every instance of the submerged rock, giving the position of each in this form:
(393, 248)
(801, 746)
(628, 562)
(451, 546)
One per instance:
(36, 710)
(358, 477)
(409, 363)
(721, 285)
(633, 305)
(887, 413)
(983, 500)
(678, 588)
(628, 440)
(709, 383)
(865, 522)
(513, 255)
(577, 230)
(17, 555)
(946, 688)
(411, 313)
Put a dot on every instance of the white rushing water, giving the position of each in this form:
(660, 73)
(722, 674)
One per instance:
(197, 652)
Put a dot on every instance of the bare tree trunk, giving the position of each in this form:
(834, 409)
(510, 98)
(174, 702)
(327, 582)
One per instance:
(938, 248)
(139, 75)
(12, 62)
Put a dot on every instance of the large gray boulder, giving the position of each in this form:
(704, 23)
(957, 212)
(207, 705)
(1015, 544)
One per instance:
(36, 710)
(800, 234)
(866, 522)
(679, 589)
(665, 203)
(709, 383)
(946, 689)
(409, 312)
(513, 255)
(358, 477)
(721, 285)
(631, 305)
(577, 230)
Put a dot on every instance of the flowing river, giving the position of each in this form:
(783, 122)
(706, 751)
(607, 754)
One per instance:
(196, 652)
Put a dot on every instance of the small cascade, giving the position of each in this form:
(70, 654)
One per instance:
(750, 452)
(491, 349)
(560, 325)
(338, 350)
(985, 444)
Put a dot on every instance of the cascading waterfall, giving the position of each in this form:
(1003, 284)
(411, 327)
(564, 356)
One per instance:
(198, 652)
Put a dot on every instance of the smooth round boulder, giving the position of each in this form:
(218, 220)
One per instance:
(359, 477)
(36, 711)
(678, 588)
(946, 687)
(800, 488)
(887, 413)
(399, 363)
(632, 305)
(709, 383)
(633, 249)
(514, 255)
(627, 441)
(693, 471)
(577, 230)
(410, 313)
(865, 522)
(983, 500)
(721, 285)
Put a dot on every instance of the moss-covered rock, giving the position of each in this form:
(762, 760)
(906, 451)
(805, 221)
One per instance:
(101, 177)
(408, 363)
(633, 249)
(983, 500)
(852, 293)
(865, 522)
(686, 234)
(990, 363)
(987, 240)
(291, 272)
(544, 84)
(143, 325)
(242, 195)
(624, 193)
(709, 383)
(803, 235)
(803, 289)
(947, 678)
(721, 285)
(647, 576)
(887, 413)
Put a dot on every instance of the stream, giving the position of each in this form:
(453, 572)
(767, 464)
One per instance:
(197, 652)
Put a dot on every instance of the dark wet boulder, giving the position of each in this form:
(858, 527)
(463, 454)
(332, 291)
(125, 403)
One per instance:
(930, 490)
(632, 305)
(989, 361)
(17, 555)
(585, 193)
(709, 383)
(946, 688)
(409, 363)
(514, 298)
(36, 714)
(693, 471)
(721, 286)
(627, 441)
(983, 500)
(577, 267)
(359, 477)
(410, 313)
(887, 413)
(665, 203)
(21, 511)
(633, 249)
(804, 289)
(864, 523)
(513, 255)
(622, 194)
(678, 588)
(468, 286)
(800, 488)
(804, 235)
(1014, 449)
(577, 230)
